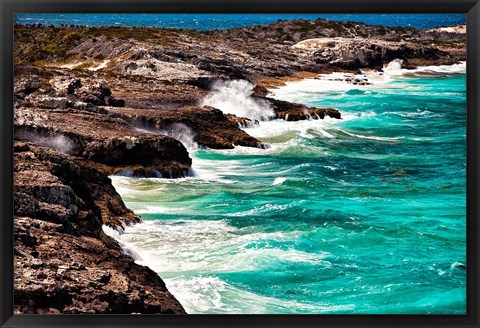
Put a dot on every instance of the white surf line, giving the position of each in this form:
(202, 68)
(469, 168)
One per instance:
(340, 81)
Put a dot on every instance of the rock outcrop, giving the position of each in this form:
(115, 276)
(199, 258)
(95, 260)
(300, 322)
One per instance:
(355, 53)
(251, 53)
(103, 139)
(95, 101)
(64, 263)
(209, 127)
(296, 112)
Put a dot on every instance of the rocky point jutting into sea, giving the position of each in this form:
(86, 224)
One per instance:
(97, 101)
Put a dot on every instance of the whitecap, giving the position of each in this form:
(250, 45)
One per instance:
(371, 137)
(278, 181)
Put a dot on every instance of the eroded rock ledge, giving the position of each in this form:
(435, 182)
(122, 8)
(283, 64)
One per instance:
(105, 140)
(64, 263)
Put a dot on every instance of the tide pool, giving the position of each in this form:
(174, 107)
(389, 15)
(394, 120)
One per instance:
(364, 215)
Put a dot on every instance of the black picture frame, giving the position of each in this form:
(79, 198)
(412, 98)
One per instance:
(9, 7)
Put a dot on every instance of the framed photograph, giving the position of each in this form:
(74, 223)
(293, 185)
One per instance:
(246, 163)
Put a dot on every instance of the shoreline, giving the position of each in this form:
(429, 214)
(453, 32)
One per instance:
(294, 79)
(122, 101)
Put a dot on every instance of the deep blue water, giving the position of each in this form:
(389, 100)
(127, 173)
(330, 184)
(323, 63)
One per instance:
(364, 215)
(226, 21)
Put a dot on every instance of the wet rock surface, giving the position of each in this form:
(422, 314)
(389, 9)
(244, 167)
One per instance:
(297, 112)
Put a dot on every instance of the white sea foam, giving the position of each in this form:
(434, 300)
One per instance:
(325, 84)
(177, 247)
(109, 231)
(280, 131)
(278, 181)
(354, 116)
(394, 68)
(207, 294)
(459, 68)
(418, 113)
(371, 137)
(156, 209)
(188, 253)
(234, 97)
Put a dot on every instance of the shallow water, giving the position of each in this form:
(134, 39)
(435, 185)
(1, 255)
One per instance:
(360, 215)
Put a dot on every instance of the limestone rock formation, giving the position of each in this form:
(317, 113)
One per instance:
(64, 263)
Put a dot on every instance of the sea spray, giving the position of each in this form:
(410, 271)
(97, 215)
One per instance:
(182, 133)
(394, 67)
(338, 216)
(59, 142)
(235, 97)
(186, 136)
(178, 131)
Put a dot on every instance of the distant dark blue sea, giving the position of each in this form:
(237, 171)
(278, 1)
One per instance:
(227, 21)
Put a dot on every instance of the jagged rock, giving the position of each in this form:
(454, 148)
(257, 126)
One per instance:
(98, 95)
(62, 189)
(355, 53)
(241, 122)
(295, 112)
(210, 126)
(250, 52)
(73, 89)
(153, 152)
(222, 66)
(73, 85)
(99, 47)
(99, 91)
(107, 140)
(64, 263)
(111, 101)
(49, 102)
(64, 85)
(26, 86)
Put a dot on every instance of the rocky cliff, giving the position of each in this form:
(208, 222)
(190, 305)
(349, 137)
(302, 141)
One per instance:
(91, 102)
(64, 263)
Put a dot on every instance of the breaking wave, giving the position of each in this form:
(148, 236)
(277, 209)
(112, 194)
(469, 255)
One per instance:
(235, 97)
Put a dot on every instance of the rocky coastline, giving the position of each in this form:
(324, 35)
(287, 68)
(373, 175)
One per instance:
(93, 102)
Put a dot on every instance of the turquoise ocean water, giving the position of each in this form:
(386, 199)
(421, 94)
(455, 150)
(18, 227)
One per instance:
(364, 215)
